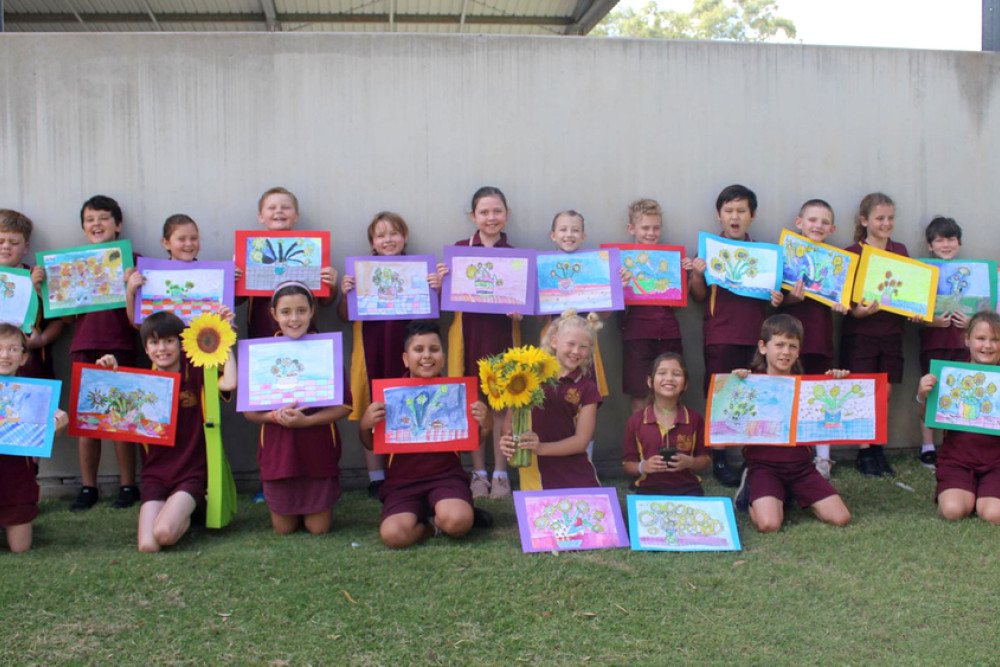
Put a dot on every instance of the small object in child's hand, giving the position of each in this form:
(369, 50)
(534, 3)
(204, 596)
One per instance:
(667, 453)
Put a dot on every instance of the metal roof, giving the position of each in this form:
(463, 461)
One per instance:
(518, 17)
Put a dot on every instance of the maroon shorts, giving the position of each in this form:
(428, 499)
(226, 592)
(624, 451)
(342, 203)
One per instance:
(981, 482)
(420, 497)
(299, 496)
(815, 364)
(954, 354)
(870, 354)
(638, 356)
(801, 480)
(688, 490)
(726, 359)
(155, 490)
(16, 515)
(123, 357)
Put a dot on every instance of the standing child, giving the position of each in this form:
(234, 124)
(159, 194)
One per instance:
(773, 473)
(18, 487)
(945, 337)
(377, 342)
(663, 445)
(815, 222)
(731, 322)
(564, 425)
(968, 468)
(425, 493)
(175, 479)
(872, 341)
(299, 451)
(181, 241)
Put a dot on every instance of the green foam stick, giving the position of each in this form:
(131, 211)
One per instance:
(221, 485)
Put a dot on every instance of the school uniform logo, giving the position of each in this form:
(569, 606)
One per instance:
(187, 399)
(572, 396)
(685, 443)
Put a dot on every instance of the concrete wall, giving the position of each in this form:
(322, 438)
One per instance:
(358, 123)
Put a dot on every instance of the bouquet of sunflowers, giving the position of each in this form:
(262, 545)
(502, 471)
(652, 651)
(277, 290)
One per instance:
(514, 380)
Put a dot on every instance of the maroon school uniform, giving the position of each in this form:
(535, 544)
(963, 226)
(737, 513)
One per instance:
(647, 332)
(643, 440)
(260, 324)
(777, 471)
(969, 461)
(944, 343)
(383, 341)
(39, 364)
(104, 332)
(18, 491)
(882, 324)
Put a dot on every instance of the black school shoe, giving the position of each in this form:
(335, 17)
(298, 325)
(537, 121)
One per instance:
(928, 459)
(86, 499)
(373, 488)
(867, 464)
(127, 496)
(723, 473)
(481, 518)
(883, 463)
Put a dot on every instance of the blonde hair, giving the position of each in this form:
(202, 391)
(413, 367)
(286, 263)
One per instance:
(15, 223)
(278, 190)
(570, 320)
(642, 207)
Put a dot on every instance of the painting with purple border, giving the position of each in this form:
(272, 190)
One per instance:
(489, 280)
(587, 280)
(391, 288)
(273, 372)
(186, 289)
(570, 519)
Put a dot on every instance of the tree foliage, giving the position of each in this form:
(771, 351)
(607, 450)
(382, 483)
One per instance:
(737, 20)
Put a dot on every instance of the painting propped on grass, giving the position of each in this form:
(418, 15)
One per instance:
(569, 519)
(682, 523)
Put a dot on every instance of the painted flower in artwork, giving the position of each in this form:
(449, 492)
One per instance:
(207, 340)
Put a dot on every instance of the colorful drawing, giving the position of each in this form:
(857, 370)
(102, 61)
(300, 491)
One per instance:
(569, 519)
(426, 415)
(587, 280)
(827, 273)
(85, 279)
(18, 299)
(901, 285)
(27, 416)
(965, 286)
(682, 523)
(742, 267)
(965, 397)
(391, 288)
(657, 276)
(852, 410)
(274, 372)
(186, 289)
(488, 280)
(271, 258)
(756, 411)
(129, 404)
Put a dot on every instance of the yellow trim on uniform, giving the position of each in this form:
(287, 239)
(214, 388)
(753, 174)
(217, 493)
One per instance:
(516, 332)
(359, 376)
(599, 376)
(711, 300)
(456, 348)
(530, 476)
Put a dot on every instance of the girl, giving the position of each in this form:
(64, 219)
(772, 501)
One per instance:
(772, 473)
(872, 341)
(299, 452)
(663, 446)
(175, 479)
(968, 465)
(474, 336)
(377, 343)
(564, 425)
(181, 241)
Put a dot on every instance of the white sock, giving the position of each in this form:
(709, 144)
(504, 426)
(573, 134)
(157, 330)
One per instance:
(927, 448)
(497, 474)
(376, 475)
(481, 473)
(822, 451)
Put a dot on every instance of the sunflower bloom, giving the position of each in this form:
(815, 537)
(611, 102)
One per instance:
(521, 384)
(491, 384)
(207, 340)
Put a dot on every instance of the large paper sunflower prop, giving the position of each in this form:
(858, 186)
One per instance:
(207, 340)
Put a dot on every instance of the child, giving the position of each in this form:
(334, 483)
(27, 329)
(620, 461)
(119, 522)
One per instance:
(474, 336)
(731, 322)
(663, 445)
(968, 467)
(872, 341)
(425, 493)
(299, 452)
(815, 222)
(175, 479)
(564, 425)
(97, 334)
(647, 331)
(18, 488)
(181, 241)
(943, 338)
(773, 473)
(15, 233)
(376, 343)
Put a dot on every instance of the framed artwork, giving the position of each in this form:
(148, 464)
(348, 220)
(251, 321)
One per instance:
(130, 405)
(587, 280)
(569, 519)
(743, 267)
(186, 289)
(826, 272)
(273, 372)
(27, 416)
(489, 280)
(268, 259)
(682, 523)
(965, 285)
(85, 279)
(426, 415)
(657, 276)
(964, 398)
(391, 288)
(901, 285)
(842, 412)
(756, 411)
(18, 299)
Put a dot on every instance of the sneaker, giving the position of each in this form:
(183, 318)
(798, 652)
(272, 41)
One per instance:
(724, 474)
(824, 466)
(373, 488)
(742, 497)
(929, 459)
(867, 464)
(259, 496)
(479, 486)
(500, 487)
(127, 496)
(86, 499)
(481, 518)
(883, 463)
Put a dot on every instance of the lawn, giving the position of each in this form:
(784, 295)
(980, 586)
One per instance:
(897, 586)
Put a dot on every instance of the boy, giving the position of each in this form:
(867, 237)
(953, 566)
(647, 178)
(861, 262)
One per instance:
(425, 494)
(732, 323)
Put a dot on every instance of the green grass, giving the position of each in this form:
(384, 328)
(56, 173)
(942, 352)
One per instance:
(898, 586)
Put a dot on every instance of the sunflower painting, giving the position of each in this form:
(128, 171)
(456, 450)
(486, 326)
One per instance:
(85, 279)
(742, 267)
(826, 272)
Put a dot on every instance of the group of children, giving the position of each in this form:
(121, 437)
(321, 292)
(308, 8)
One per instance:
(299, 449)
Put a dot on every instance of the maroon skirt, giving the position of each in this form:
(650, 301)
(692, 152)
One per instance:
(298, 496)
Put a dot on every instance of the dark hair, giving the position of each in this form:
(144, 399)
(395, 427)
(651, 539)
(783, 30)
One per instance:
(7, 329)
(865, 209)
(816, 202)
(734, 192)
(102, 203)
(175, 221)
(394, 220)
(778, 325)
(666, 356)
(290, 288)
(487, 191)
(944, 227)
(160, 325)
(986, 316)
(420, 328)
(15, 223)
(568, 212)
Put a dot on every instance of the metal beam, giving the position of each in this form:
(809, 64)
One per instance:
(991, 25)
(593, 15)
(270, 15)
(1, 15)
(152, 16)
(461, 18)
(290, 17)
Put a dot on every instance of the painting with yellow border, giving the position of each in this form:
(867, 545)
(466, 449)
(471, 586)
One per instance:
(900, 285)
(826, 272)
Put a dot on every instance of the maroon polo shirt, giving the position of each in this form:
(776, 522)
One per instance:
(383, 342)
(187, 459)
(643, 441)
(731, 319)
(649, 323)
(970, 450)
(484, 334)
(882, 324)
(942, 338)
(556, 420)
(817, 325)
